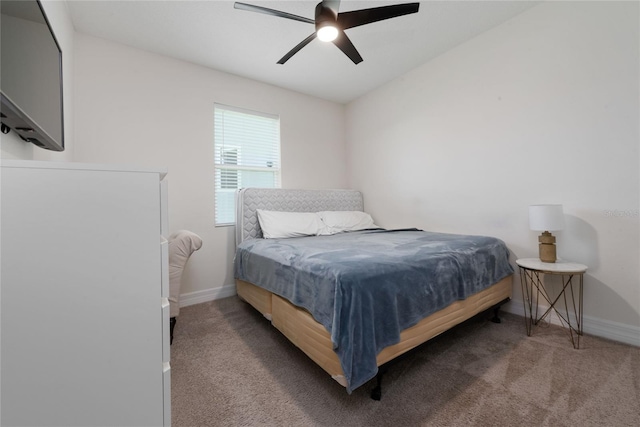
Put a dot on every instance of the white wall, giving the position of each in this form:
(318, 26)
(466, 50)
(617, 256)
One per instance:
(11, 146)
(542, 109)
(139, 108)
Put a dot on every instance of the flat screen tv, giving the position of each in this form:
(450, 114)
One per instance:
(30, 75)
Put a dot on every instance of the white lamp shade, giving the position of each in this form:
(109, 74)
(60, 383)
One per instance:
(546, 217)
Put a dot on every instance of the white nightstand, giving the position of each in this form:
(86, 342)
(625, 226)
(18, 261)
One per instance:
(530, 271)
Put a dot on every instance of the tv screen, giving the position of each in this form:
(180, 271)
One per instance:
(30, 75)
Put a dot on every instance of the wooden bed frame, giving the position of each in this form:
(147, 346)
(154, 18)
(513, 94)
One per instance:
(314, 340)
(298, 325)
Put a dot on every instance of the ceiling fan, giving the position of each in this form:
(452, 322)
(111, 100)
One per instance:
(330, 24)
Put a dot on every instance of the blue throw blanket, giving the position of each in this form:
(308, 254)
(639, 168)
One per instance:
(366, 287)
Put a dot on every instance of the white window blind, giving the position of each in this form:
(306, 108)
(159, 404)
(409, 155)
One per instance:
(247, 154)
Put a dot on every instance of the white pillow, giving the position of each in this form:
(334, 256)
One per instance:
(339, 221)
(277, 224)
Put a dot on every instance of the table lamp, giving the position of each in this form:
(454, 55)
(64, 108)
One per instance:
(546, 218)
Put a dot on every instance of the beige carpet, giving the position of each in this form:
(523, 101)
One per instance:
(231, 367)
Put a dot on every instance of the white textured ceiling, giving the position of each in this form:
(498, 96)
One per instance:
(248, 44)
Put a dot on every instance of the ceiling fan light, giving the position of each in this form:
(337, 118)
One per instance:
(327, 33)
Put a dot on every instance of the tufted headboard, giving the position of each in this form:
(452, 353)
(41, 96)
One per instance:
(248, 200)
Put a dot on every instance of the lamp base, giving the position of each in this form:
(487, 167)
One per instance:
(547, 247)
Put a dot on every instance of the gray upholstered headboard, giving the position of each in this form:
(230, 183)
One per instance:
(248, 200)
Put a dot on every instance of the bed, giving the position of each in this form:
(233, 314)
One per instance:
(351, 317)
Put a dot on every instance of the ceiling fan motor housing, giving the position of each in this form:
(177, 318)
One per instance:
(325, 17)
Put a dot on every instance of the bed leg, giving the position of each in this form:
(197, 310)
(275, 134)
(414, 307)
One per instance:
(496, 318)
(496, 310)
(376, 393)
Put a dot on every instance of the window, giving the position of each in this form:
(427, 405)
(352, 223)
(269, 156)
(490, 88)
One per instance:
(229, 177)
(247, 154)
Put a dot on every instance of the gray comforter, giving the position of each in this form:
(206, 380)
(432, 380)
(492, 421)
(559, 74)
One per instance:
(366, 287)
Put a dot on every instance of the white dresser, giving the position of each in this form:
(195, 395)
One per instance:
(84, 288)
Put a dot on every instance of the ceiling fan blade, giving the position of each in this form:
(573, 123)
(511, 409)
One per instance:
(356, 18)
(273, 12)
(345, 45)
(295, 50)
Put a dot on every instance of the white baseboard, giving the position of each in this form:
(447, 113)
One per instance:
(590, 325)
(207, 295)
